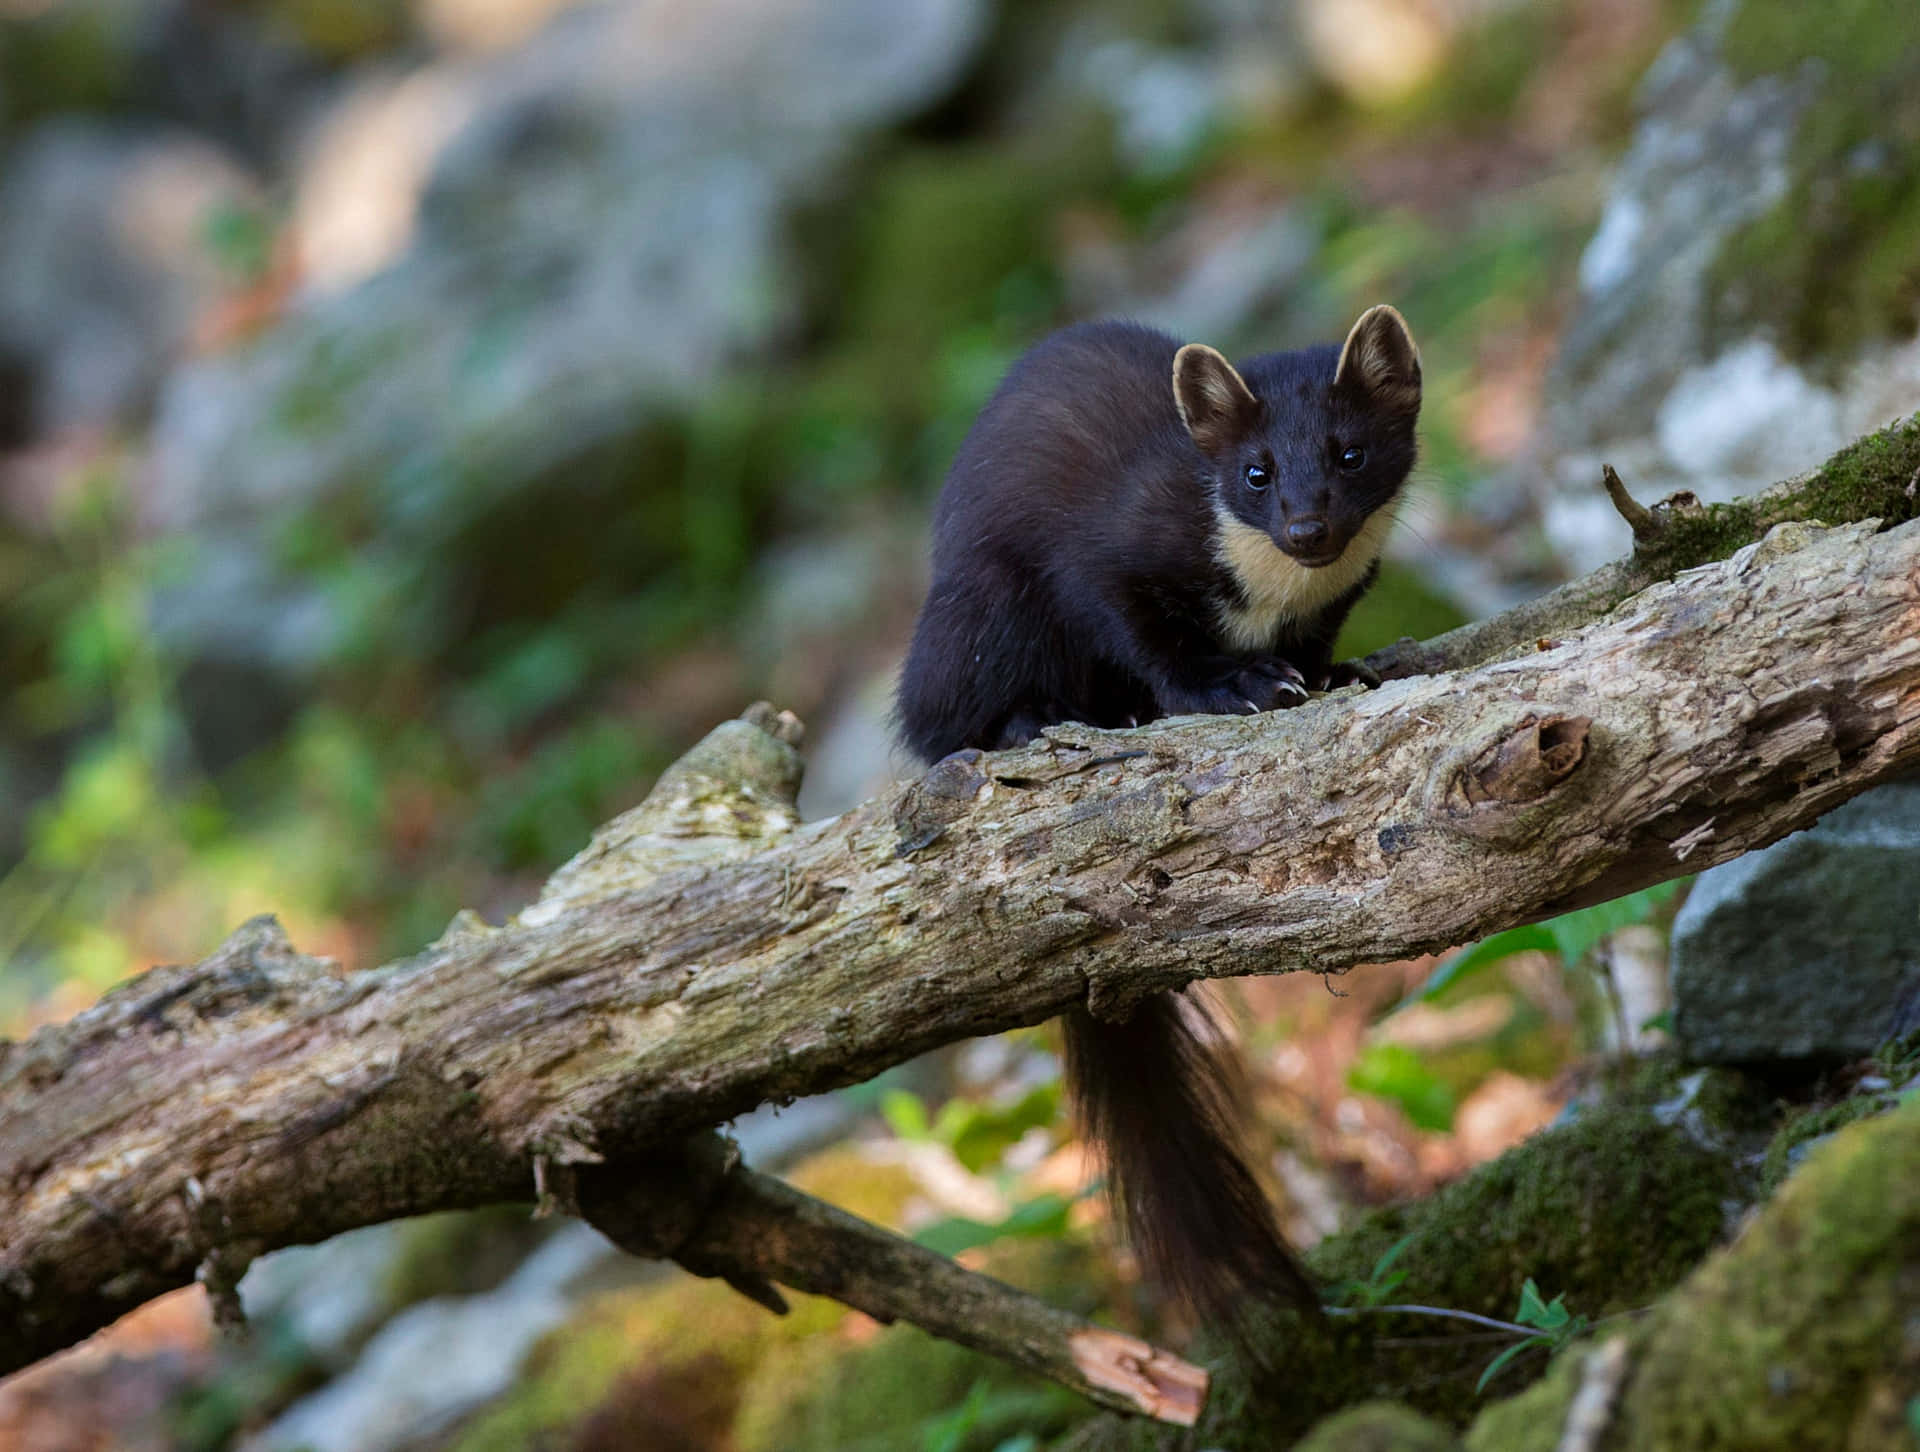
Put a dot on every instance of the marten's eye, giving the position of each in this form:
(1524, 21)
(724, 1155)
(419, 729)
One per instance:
(1352, 458)
(1256, 477)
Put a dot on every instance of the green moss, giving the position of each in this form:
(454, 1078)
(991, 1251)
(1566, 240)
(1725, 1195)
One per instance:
(1531, 1421)
(1868, 479)
(1799, 1335)
(1872, 476)
(1837, 262)
(1609, 1210)
(1802, 1129)
(1804, 1327)
(1379, 1427)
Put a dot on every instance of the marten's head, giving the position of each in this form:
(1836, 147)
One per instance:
(1306, 447)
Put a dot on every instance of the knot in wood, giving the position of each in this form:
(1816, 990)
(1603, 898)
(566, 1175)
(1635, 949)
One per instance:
(1528, 762)
(940, 798)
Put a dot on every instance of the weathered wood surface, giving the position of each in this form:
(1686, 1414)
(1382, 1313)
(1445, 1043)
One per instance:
(709, 953)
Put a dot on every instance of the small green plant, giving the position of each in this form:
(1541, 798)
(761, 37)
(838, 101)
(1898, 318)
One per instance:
(1395, 1072)
(978, 1132)
(1569, 937)
(1554, 1327)
(1381, 1282)
(1044, 1217)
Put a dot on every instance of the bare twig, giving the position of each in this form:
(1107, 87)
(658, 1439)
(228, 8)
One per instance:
(1511, 1326)
(1631, 510)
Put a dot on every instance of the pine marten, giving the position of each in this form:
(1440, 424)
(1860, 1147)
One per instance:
(1135, 529)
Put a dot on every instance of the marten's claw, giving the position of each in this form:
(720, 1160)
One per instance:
(1349, 673)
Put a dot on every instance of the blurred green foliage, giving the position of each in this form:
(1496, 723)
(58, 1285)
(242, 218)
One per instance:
(1429, 1084)
(1837, 260)
(978, 1131)
(1569, 937)
(1398, 1073)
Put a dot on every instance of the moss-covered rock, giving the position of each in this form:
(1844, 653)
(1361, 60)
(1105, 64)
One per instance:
(1380, 1427)
(1531, 1421)
(1608, 1210)
(1799, 1334)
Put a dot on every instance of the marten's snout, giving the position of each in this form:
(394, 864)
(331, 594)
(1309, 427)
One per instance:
(1308, 535)
(1309, 539)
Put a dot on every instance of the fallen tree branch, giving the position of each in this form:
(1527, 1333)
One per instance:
(750, 1227)
(708, 953)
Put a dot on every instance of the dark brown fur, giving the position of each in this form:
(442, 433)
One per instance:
(1133, 529)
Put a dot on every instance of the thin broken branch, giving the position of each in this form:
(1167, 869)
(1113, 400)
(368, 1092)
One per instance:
(1638, 517)
(749, 1226)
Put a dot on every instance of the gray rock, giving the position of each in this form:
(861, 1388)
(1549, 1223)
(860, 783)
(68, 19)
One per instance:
(1810, 948)
(108, 264)
(443, 1357)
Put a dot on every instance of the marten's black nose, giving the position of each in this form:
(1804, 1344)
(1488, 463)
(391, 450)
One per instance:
(1307, 534)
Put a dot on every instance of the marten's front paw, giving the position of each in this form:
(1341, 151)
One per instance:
(1266, 684)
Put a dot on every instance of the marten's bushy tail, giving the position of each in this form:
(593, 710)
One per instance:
(1163, 1098)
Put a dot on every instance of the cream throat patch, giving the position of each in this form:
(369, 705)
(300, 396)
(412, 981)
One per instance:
(1280, 590)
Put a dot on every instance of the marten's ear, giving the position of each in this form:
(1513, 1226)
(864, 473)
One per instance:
(1380, 361)
(1214, 401)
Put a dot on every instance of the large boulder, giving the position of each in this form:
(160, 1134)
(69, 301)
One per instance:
(1809, 949)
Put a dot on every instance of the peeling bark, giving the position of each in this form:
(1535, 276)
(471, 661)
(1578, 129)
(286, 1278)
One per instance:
(708, 953)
